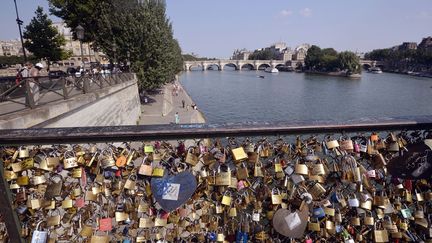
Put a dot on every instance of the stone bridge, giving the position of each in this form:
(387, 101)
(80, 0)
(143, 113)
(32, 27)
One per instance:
(238, 64)
(370, 63)
(256, 64)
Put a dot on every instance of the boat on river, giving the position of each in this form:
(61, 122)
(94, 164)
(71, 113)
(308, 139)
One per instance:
(375, 70)
(271, 70)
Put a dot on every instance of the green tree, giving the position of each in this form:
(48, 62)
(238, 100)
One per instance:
(313, 58)
(349, 61)
(128, 30)
(79, 12)
(265, 54)
(43, 40)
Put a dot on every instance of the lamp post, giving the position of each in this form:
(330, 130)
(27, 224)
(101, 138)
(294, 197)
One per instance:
(80, 35)
(20, 22)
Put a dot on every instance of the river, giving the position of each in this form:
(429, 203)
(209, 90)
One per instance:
(242, 96)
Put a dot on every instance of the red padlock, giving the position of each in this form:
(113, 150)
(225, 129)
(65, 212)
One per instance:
(408, 185)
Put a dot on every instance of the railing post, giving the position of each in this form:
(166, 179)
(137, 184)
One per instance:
(86, 85)
(100, 79)
(10, 218)
(29, 95)
(64, 87)
(115, 78)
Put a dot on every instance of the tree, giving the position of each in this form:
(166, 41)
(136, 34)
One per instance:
(79, 12)
(349, 61)
(43, 40)
(128, 30)
(265, 54)
(313, 58)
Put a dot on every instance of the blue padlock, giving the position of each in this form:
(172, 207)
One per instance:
(318, 213)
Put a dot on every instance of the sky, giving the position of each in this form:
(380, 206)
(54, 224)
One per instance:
(217, 28)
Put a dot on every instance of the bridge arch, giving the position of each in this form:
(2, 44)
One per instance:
(248, 66)
(230, 64)
(279, 66)
(367, 66)
(263, 66)
(213, 66)
(195, 67)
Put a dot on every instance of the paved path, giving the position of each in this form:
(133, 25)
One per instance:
(162, 107)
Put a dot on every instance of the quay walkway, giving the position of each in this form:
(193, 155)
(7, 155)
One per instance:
(162, 106)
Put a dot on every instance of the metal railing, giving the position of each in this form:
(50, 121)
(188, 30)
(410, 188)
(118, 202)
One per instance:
(33, 92)
(86, 135)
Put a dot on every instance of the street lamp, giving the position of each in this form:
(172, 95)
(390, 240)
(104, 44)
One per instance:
(80, 35)
(20, 22)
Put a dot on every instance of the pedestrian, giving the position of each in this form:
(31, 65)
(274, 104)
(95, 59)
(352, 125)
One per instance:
(34, 81)
(183, 103)
(31, 73)
(177, 118)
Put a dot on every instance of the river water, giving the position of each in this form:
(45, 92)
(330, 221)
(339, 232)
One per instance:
(242, 96)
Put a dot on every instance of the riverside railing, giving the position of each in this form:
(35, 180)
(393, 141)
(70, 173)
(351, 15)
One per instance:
(413, 127)
(33, 92)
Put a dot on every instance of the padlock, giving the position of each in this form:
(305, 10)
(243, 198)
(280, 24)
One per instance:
(54, 220)
(130, 183)
(23, 153)
(353, 201)
(275, 196)
(39, 236)
(258, 170)
(223, 178)
(145, 223)
(158, 172)
(242, 172)
(331, 144)
(121, 216)
(346, 144)
(70, 160)
(301, 169)
(191, 158)
(226, 198)
(23, 180)
(239, 154)
(314, 226)
(369, 219)
(148, 148)
(160, 222)
(67, 203)
(107, 159)
(38, 180)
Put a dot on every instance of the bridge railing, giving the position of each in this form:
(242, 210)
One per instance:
(30, 93)
(92, 143)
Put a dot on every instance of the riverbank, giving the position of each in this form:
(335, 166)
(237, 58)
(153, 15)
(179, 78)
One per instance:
(335, 74)
(163, 105)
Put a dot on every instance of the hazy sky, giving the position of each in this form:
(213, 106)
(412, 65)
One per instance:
(216, 28)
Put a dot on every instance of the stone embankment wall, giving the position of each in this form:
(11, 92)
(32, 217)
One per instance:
(111, 106)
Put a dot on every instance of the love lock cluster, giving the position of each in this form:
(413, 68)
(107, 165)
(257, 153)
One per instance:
(349, 188)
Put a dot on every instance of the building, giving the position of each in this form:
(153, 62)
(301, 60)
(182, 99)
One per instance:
(426, 44)
(242, 54)
(280, 51)
(74, 47)
(300, 52)
(11, 48)
(408, 46)
(285, 55)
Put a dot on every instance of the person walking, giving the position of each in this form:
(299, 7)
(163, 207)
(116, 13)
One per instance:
(183, 103)
(177, 118)
(34, 85)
